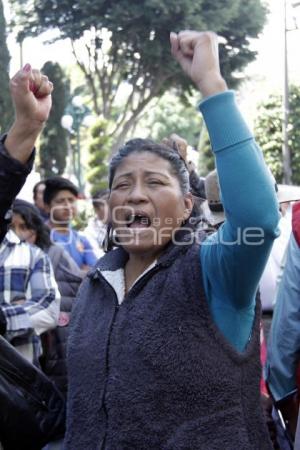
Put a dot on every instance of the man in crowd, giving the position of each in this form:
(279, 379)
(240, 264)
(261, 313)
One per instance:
(60, 198)
(38, 198)
(96, 229)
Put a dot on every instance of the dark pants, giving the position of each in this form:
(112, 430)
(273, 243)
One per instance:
(282, 438)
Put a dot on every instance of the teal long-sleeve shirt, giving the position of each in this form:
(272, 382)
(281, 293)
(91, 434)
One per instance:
(234, 257)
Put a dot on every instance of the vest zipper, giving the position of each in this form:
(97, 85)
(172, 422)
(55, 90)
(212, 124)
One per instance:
(116, 309)
(140, 283)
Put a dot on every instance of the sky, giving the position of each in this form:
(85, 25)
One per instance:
(35, 51)
(266, 73)
(269, 63)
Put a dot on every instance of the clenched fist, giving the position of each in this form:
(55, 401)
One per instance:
(197, 53)
(31, 95)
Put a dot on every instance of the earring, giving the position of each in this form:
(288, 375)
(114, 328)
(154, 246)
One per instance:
(107, 244)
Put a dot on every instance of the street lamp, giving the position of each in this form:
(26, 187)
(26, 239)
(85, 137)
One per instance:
(76, 115)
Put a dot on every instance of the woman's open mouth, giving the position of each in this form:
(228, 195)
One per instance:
(138, 220)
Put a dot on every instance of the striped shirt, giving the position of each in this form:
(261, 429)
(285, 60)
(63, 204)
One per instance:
(29, 296)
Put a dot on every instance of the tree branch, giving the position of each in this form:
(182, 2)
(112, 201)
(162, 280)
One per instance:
(89, 78)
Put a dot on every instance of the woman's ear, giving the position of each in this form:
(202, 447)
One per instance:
(188, 203)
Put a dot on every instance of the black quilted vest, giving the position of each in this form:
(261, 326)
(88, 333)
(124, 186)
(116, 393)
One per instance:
(155, 373)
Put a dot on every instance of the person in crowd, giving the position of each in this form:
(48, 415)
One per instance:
(272, 274)
(28, 225)
(33, 307)
(31, 95)
(29, 297)
(38, 199)
(282, 368)
(164, 342)
(197, 182)
(212, 208)
(96, 229)
(60, 198)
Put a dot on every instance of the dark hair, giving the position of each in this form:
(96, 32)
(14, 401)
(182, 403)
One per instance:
(56, 184)
(31, 216)
(178, 166)
(99, 196)
(35, 188)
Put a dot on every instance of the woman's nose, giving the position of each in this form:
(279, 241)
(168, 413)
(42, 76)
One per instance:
(137, 194)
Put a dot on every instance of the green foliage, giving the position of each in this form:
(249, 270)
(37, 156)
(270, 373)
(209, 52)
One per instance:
(168, 115)
(6, 107)
(99, 150)
(84, 212)
(268, 132)
(140, 28)
(53, 143)
(235, 54)
(128, 42)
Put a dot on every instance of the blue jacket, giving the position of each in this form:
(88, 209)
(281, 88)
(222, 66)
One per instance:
(284, 339)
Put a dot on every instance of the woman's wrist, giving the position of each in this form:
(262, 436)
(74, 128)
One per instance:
(213, 84)
(27, 127)
(21, 139)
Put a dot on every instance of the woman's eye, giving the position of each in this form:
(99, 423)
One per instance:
(155, 182)
(121, 186)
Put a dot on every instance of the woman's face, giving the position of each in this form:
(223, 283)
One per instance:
(146, 203)
(39, 197)
(22, 231)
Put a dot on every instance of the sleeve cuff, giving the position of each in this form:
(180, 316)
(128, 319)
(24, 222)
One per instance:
(286, 396)
(225, 124)
(12, 164)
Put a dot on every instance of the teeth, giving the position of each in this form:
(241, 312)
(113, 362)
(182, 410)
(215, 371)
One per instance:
(144, 220)
(132, 218)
